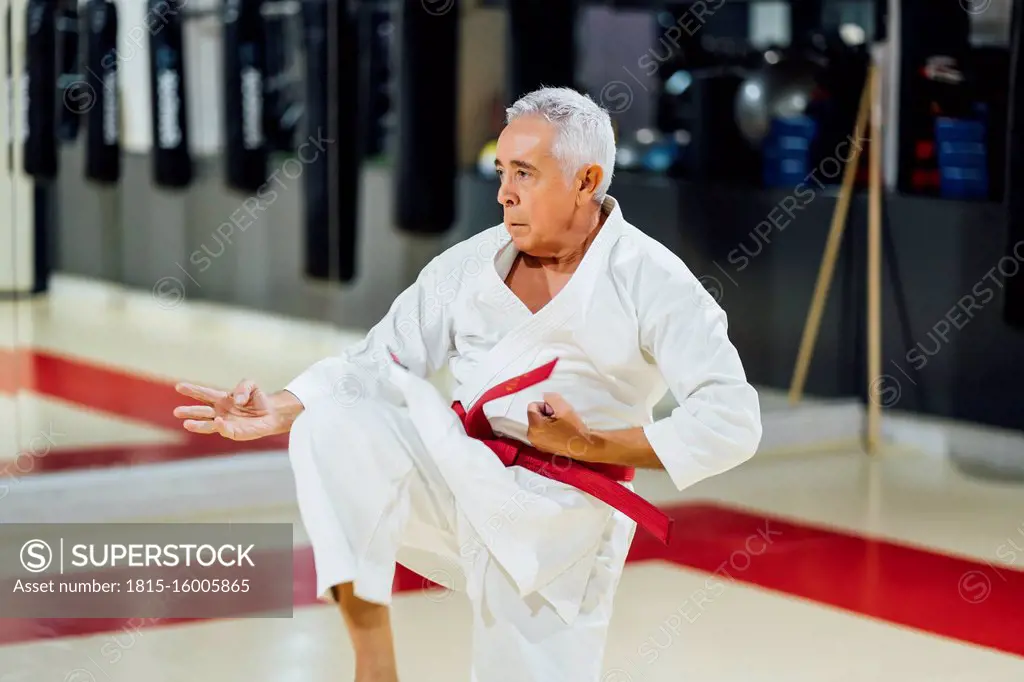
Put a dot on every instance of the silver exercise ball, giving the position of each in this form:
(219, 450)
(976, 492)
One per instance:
(776, 90)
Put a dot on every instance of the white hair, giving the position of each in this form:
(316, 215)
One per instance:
(584, 130)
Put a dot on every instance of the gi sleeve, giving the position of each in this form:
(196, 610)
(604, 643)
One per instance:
(417, 329)
(717, 423)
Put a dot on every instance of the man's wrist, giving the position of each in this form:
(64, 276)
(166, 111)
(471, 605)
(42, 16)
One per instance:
(287, 407)
(590, 446)
(623, 447)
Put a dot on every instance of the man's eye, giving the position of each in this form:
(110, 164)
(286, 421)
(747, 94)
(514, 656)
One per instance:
(522, 174)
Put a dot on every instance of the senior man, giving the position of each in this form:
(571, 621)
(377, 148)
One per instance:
(562, 327)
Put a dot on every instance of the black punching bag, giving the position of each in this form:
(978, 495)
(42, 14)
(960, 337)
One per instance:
(375, 96)
(1014, 306)
(329, 153)
(541, 45)
(172, 161)
(314, 175)
(427, 146)
(244, 75)
(41, 86)
(282, 88)
(68, 36)
(344, 148)
(102, 128)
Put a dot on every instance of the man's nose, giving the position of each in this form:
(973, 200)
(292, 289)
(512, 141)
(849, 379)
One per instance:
(506, 197)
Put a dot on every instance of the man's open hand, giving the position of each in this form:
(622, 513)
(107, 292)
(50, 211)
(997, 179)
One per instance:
(245, 413)
(554, 427)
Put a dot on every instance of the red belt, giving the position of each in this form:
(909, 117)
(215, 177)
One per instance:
(599, 480)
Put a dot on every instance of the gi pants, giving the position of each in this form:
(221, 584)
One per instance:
(371, 496)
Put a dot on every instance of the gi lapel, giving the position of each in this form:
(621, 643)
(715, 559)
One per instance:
(515, 352)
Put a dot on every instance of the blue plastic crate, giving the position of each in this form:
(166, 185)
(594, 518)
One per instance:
(790, 133)
(788, 147)
(797, 126)
(962, 154)
(786, 151)
(947, 151)
(956, 182)
(959, 130)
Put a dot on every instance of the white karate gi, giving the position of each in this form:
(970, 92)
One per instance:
(384, 471)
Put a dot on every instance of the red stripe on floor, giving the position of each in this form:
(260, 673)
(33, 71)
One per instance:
(104, 389)
(943, 595)
(119, 393)
(194, 447)
(949, 596)
(91, 385)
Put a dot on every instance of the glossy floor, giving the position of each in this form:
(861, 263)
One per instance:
(823, 567)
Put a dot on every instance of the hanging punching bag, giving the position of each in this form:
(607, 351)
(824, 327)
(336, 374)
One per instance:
(427, 146)
(41, 87)
(172, 161)
(315, 176)
(344, 149)
(282, 102)
(375, 32)
(69, 115)
(540, 22)
(1013, 311)
(103, 131)
(244, 77)
(329, 155)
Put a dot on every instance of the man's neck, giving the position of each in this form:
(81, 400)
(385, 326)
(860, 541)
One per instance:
(568, 261)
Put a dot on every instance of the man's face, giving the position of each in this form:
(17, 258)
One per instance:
(537, 199)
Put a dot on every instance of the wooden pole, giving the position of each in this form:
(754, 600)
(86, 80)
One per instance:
(835, 239)
(874, 407)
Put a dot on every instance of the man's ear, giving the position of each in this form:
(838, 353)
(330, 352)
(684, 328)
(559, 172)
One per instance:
(587, 182)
